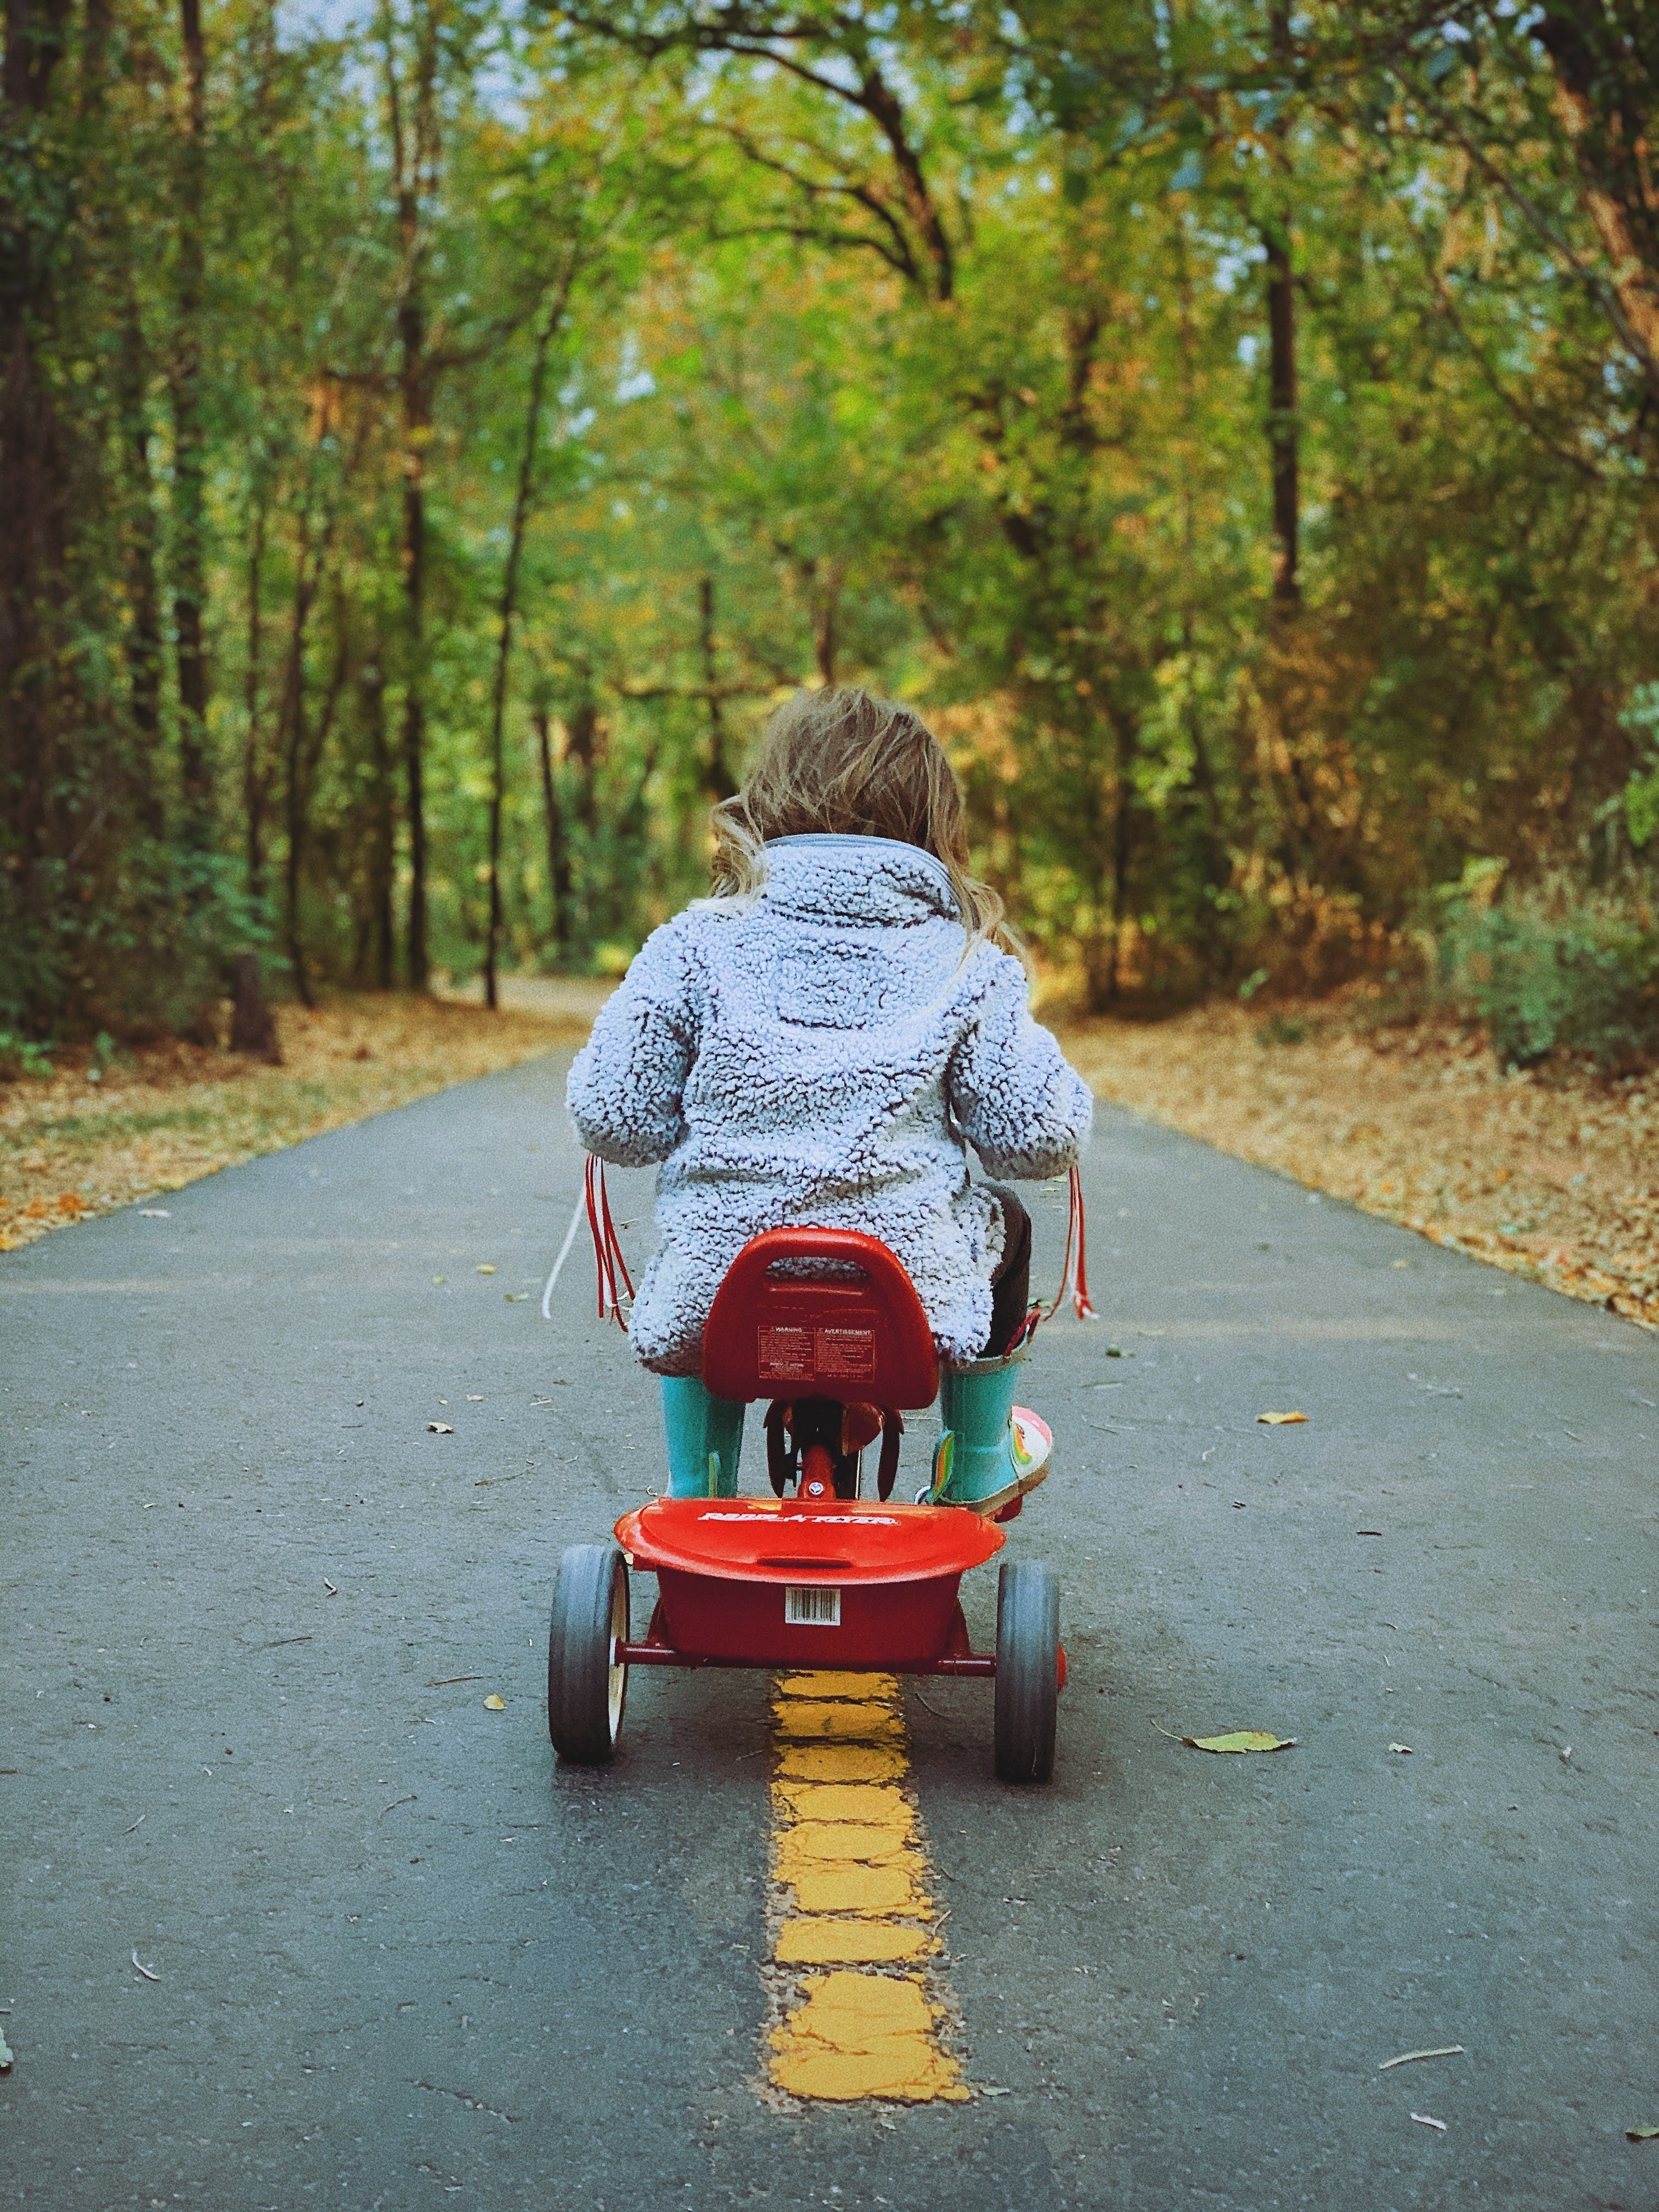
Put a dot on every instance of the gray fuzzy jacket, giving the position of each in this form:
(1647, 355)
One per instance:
(824, 1054)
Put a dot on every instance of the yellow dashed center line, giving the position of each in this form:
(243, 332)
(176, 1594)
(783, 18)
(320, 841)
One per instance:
(851, 1893)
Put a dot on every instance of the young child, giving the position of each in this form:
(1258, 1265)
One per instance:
(821, 1042)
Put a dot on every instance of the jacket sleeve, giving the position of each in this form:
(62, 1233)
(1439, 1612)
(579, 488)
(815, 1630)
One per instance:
(625, 1086)
(1025, 1110)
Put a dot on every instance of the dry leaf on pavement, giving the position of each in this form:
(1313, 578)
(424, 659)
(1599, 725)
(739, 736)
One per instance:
(1235, 1740)
(495, 1705)
(1281, 1420)
(1642, 2135)
(439, 1429)
(1428, 2120)
(1410, 2058)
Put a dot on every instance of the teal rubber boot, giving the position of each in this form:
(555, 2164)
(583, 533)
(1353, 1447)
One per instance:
(704, 1436)
(991, 1451)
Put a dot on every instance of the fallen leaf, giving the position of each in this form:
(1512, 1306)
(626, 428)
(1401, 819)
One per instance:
(437, 1278)
(149, 1972)
(5, 2055)
(1631, 2134)
(1240, 1740)
(1406, 1748)
(475, 1398)
(154, 1213)
(495, 1705)
(515, 1298)
(439, 1429)
(1428, 2120)
(1235, 1740)
(330, 1586)
(1410, 2058)
(1281, 1420)
(485, 1270)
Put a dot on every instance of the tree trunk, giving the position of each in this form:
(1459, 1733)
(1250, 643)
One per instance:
(253, 1025)
(383, 836)
(558, 844)
(828, 611)
(304, 758)
(581, 751)
(189, 469)
(294, 807)
(1123, 737)
(416, 969)
(508, 612)
(414, 154)
(33, 488)
(144, 650)
(721, 782)
(255, 781)
(291, 746)
(1599, 72)
(1282, 434)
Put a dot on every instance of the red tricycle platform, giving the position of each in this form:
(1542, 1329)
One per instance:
(749, 1582)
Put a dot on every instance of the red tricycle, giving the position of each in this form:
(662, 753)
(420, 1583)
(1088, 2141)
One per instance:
(826, 1325)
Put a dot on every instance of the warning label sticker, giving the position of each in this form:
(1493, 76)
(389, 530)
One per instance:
(785, 1355)
(846, 1355)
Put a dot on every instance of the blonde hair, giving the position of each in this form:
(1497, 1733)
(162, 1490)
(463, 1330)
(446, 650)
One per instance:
(840, 762)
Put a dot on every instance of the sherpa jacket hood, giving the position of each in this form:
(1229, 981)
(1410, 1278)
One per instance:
(824, 1054)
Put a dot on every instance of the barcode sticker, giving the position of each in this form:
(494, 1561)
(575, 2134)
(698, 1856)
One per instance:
(805, 1605)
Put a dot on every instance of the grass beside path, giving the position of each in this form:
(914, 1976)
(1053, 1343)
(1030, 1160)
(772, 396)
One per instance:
(169, 1114)
(1552, 1173)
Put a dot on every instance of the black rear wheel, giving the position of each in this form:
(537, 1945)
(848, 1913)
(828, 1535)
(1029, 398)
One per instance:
(1028, 1669)
(587, 1685)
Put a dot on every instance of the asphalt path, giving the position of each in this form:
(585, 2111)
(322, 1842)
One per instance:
(253, 1609)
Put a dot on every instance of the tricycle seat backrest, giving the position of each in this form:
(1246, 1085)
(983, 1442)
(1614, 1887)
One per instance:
(819, 1313)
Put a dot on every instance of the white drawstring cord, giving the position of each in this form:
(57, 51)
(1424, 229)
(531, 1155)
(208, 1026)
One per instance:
(564, 1254)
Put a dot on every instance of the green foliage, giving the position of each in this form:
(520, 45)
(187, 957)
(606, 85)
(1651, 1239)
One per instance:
(1640, 720)
(23, 1055)
(1283, 1028)
(597, 362)
(1585, 982)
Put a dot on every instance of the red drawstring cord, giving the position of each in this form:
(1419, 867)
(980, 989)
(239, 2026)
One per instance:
(607, 1260)
(1073, 1279)
(1080, 1304)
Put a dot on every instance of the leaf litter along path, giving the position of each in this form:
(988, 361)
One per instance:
(1551, 1174)
(167, 1114)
